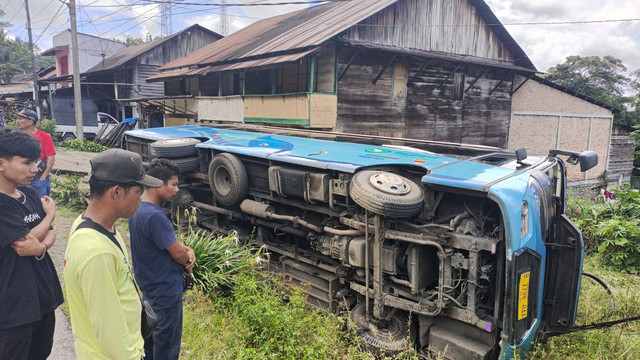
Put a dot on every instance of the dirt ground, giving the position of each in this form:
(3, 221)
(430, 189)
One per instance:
(71, 161)
(63, 345)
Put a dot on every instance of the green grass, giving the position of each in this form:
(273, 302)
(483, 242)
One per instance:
(260, 322)
(618, 342)
(263, 324)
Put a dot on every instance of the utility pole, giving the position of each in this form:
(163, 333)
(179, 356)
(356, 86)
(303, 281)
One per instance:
(36, 95)
(77, 93)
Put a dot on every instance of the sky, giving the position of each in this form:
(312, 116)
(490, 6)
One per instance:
(547, 30)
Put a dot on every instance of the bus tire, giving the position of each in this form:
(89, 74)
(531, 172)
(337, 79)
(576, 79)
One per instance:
(174, 148)
(187, 164)
(228, 179)
(68, 136)
(386, 194)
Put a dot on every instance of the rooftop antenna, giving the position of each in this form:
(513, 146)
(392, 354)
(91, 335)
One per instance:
(166, 26)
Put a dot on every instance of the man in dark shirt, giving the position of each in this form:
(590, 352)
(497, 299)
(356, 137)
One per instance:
(29, 286)
(159, 261)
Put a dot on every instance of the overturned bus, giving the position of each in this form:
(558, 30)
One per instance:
(461, 250)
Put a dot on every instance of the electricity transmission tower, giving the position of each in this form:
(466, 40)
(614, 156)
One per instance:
(224, 18)
(166, 25)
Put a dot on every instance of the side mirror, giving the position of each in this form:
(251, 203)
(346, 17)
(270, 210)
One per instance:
(521, 154)
(588, 159)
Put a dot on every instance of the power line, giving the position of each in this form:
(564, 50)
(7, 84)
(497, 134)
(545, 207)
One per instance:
(17, 12)
(117, 11)
(50, 22)
(224, 4)
(569, 22)
(234, 5)
(89, 17)
(41, 10)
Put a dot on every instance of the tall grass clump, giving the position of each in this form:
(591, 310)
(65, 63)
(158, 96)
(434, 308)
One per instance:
(218, 259)
(611, 228)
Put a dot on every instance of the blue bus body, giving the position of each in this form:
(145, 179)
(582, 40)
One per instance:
(469, 241)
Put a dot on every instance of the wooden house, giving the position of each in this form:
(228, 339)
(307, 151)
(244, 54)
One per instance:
(428, 69)
(117, 82)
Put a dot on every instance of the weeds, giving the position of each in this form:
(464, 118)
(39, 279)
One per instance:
(611, 228)
(83, 145)
(617, 342)
(263, 320)
(65, 190)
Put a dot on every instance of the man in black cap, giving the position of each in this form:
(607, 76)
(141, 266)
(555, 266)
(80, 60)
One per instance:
(104, 306)
(26, 122)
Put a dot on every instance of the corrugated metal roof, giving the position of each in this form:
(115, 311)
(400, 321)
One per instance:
(47, 73)
(284, 33)
(131, 52)
(311, 27)
(230, 66)
(15, 88)
(52, 51)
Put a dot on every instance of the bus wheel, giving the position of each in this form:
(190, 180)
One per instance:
(228, 179)
(386, 194)
(174, 148)
(393, 336)
(68, 136)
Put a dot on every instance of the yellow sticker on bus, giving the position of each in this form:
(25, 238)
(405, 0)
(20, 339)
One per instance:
(523, 295)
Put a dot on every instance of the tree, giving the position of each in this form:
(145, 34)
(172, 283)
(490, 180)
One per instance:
(131, 41)
(600, 78)
(15, 57)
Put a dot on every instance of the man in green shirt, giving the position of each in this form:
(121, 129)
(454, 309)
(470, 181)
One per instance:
(104, 305)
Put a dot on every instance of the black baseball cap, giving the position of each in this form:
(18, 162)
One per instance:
(29, 114)
(122, 166)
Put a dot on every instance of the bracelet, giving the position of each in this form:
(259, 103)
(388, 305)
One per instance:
(44, 252)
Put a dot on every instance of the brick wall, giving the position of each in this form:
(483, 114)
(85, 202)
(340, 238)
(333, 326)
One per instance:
(545, 118)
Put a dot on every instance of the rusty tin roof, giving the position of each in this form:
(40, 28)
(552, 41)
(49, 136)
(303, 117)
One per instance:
(292, 32)
(131, 52)
(306, 29)
(229, 66)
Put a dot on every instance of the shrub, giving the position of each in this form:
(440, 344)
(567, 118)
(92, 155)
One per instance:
(48, 126)
(611, 228)
(83, 145)
(65, 190)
